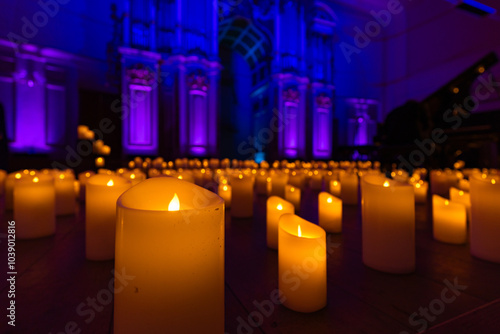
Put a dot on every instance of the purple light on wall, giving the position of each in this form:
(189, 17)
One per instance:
(291, 129)
(198, 129)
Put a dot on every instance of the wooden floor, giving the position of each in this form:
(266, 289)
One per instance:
(54, 280)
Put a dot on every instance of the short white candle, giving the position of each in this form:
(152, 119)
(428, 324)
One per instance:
(460, 196)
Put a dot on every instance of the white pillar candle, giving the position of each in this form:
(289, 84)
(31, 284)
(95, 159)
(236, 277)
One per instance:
(100, 215)
(34, 206)
(388, 225)
(276, 206)
(420, 189)
(293, 195)
(330, 212)
(349, 188)
(301, 264)
(485, 213)
(225, 193)
(460, 196)
(297, 179)
(464, 185)
(83, 178)
(10, 182)
(241, 196)
(65, 193)
(170, 238)
(278, 182)
(335, 188)
(449, 222)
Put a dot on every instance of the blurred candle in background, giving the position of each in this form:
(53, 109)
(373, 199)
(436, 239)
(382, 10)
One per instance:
(293, 195)
(241, 195)
(100, 215)
(276, 206)
(349, 188)
(65, 193)
(329, 212)
(449, 221)
(224, 192)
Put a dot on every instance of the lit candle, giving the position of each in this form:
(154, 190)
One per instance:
(34, 206)
(485, 213)
(302, 264)
(330, 212)
(316, 180)
(10, 182)
(170, 238)
(65, 193)
(99, 162)
(83, 177)
(349, 188)
(242, 196)
(261, 182)
(460, 196)
(292, 195)
(276, 207)
(100, 215)
(225, 193)
(134, 176)
(449, 222)
(420, 189)
(388, 225)
(335, 188)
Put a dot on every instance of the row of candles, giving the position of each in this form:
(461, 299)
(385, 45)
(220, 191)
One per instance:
(142, 215)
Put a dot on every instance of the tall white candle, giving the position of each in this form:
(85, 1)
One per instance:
(100, 215)
(485, 213)
(388, 225)
(242, 195)
(170, 238)
(349, 188)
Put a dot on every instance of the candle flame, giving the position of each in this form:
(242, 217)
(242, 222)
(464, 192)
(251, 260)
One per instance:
(300, 232)
(280, 207)
(268, 179)
(35, 179)
(110, 183)
(292, 189)
(203, 171)
(87, 174)
(18, 176)
(417, 185)
(174, 204)
(461, 193)
(335, 183)
(32, 173)
(483, 176)
(386, 184)
(179, 177)
(26, 171)
(132, 176)
(329, 200)
(224, 188)
(493, 181)
(61, 176)
(224, 181)
(446, 202)
(240, 176)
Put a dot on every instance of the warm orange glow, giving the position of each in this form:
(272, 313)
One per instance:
(300, 232)
(18, 176)
(254, 171)
(446, 202)
(386, 184)
(87, 174)
(335, 183)
(35, 179)
(417, 185)
(224, 181)
(461, 193)
(262, 173)
(280, 207)
(203, 170)
(456, 90)
(174, 204)
(483, 176)
(61, 176)
(292, 189)
(329, 200)
(240, 176)
(268, 179)
(493, 181)
(26, 171)
(179, 177)
(132, 176)
(32, 173)
(224, 188)
(481, 69)
(99, 159)
(110, 183)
